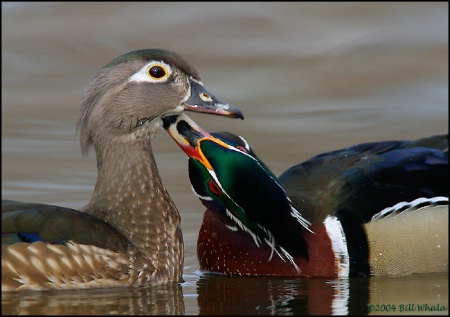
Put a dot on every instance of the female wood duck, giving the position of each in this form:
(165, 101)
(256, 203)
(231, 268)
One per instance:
(370, 209)
(128, 233)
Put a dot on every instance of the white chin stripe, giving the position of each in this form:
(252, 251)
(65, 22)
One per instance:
(339, 245)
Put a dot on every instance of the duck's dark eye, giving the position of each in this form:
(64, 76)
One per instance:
(242, 149)
(214, 188)
(157, 72)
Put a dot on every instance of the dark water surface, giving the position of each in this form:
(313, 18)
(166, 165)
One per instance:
(309, 77)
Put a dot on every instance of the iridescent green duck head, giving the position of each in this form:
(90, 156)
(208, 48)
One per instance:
(231, 180)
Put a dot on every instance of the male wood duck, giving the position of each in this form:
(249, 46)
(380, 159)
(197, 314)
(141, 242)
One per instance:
(376, 208)
(128, 233)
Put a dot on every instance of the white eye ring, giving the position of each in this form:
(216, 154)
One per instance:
(144, 74)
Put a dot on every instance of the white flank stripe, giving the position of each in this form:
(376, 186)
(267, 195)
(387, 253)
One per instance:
(405, 205)
(339, 245)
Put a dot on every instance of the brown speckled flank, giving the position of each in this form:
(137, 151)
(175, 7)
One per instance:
(128, 233)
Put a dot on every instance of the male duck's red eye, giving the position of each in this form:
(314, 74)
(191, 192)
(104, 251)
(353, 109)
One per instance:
(242, 149)
(157, 72)
(214, 188)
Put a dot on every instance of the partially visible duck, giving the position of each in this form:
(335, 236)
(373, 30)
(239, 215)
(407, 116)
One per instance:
(376, 208)
(128, 233)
